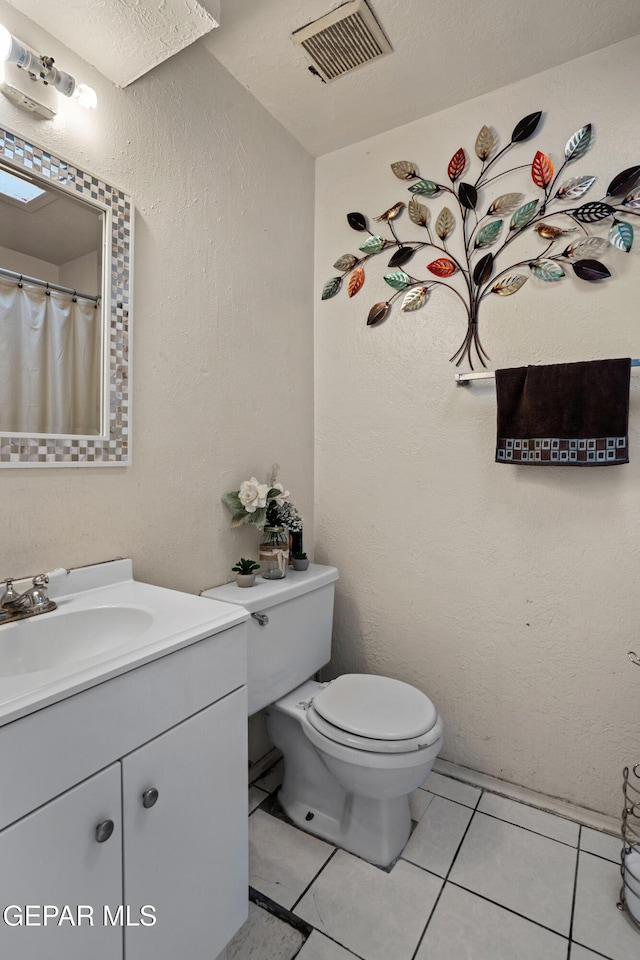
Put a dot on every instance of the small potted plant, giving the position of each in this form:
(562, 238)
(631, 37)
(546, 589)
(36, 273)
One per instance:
(300, 561)
(245, 571)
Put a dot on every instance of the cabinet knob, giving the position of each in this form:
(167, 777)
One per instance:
(104, 830)
(149, 797)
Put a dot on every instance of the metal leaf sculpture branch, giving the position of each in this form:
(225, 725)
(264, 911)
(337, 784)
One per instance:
(475, 272)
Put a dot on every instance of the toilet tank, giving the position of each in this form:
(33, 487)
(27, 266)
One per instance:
(296, 639)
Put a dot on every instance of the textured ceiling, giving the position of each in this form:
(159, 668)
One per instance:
(444, 53)
(123, 39)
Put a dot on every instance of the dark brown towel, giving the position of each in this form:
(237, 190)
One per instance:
(565, 414)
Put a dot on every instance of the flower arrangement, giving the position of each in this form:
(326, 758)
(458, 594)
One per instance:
(262, 504)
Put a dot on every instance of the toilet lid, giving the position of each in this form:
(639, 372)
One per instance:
(376, 708)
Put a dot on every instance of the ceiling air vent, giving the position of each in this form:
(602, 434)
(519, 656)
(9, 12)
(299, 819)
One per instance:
(343, 40)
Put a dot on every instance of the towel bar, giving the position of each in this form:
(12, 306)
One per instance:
(465, 379)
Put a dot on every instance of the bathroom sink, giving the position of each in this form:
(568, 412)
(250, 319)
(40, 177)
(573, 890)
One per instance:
(106, 624)
(46, 641)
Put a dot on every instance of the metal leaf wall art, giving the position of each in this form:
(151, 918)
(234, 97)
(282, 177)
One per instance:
(477, 269)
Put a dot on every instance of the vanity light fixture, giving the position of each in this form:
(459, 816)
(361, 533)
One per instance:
(39, 68)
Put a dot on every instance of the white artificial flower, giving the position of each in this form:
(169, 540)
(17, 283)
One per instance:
(282, 496)
(253, 494)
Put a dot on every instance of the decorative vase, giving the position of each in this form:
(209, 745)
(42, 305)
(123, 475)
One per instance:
(274, 553)
(300, 564)
(245, 579)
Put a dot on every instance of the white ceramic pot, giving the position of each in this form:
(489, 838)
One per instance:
(245, 579)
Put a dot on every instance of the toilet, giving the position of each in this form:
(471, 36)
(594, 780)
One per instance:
(355, 748)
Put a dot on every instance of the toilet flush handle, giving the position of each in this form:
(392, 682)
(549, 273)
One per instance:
(262, 618)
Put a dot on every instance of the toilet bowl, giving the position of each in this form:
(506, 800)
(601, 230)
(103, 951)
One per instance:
(355, 748)
(348, 779)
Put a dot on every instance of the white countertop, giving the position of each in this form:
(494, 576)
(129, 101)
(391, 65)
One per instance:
(176, 620)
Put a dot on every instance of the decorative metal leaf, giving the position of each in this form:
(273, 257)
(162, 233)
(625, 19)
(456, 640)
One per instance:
(489, 234)
(398, 279)
(415, 298)
(504, 204)
(621, 235)
(402, 255)
(574, 188)
(457, 165)
(579, 143)
(523, 215)
(633, 200)
(589, 245)
(591, 270)
(346, 262)
(425, 187)
(541, 170)
(468, 195)
(546, 269)
(526, 127)
(445, 223)
(331, 287)
(355, 281)
(624, 182)
(404, 170)
(373, 245)
(509, 285)
(485, 143)
(442, 267)
(483, 269)
(418, 213)
(378, 312)
(357, 221)
(592, 212)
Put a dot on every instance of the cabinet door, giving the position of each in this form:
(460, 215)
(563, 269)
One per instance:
(52, 859)
(185, 855)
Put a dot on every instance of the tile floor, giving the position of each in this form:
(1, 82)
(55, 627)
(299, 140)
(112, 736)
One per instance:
(482, 877)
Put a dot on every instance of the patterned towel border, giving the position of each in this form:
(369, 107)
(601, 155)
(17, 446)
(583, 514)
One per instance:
(553, 451)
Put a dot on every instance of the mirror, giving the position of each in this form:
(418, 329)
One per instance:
(65, 253)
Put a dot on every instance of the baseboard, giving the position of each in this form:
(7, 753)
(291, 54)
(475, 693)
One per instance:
(588, 818)
(259, 767)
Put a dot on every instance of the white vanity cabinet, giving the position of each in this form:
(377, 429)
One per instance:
(52, 858)
(130, 794)
(181, 853)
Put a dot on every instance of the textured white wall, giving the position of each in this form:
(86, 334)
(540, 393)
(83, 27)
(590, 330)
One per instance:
(223, 323)
(509, 594)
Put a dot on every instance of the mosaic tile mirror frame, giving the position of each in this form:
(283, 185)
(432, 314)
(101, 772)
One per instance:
(112, 447)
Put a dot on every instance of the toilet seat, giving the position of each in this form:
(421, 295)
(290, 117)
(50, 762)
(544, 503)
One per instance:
(376, 714)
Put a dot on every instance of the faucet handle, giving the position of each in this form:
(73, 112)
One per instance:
(41, 580)
(9, 593)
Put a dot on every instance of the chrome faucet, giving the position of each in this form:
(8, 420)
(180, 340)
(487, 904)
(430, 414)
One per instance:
(17, 606)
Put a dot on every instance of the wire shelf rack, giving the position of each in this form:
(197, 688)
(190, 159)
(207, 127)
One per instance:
(630, 855)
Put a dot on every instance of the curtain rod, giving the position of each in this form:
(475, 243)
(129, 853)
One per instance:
(11, 275)
(464, 379)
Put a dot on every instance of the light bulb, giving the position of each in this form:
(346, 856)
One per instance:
(87, 97)
(6, 42)
(63, 83)
(10, 49)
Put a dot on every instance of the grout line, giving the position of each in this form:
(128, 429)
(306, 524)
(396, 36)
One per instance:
(496, 903)
(444, 881)
(493, 816)
(459, 802)
(464, 835)
(337, 942)
(426, 926)
(314, 878)
(575, 892)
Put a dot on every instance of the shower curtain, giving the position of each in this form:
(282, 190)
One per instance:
(49, 361)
